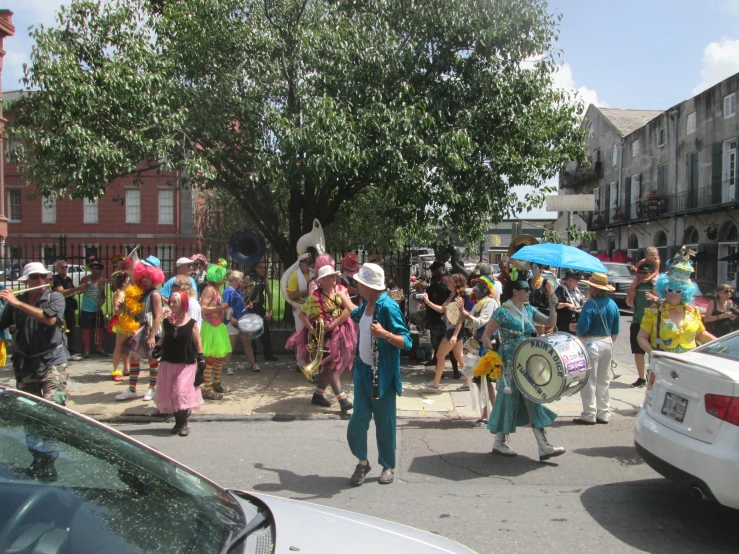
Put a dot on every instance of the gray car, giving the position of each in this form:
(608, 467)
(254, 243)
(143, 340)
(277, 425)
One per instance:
(71, 484)
(620, 276)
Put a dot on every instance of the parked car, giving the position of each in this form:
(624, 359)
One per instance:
(76, 272)
(688, 427)
(71, 484)
(620, 276)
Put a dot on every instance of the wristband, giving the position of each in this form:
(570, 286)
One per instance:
(389, 337)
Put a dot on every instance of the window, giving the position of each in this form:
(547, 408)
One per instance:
(90, 211)
(164, 253)
(48, 210)
(662, 179)
(48, 254)
(166, 207)
(729, 105)
(91, 250)
(661, 134)
(14, 205)
(615, 156)
(690, 128)
(635, 148)
(133, 206)
(11, 150)
(14, 251)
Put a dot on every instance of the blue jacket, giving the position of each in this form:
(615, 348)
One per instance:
(391, 318)
(589, 323)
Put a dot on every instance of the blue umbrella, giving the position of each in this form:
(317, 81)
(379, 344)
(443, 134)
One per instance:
(560, 255)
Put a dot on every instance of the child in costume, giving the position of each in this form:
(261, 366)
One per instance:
(144, 304)
(121, 281)
(213, 333)
(340, 335)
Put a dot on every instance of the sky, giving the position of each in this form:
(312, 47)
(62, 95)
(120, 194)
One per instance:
(637, 54)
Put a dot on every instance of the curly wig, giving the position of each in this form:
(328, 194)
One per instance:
(688, 288)
(180, 299)
(322, 261)
(141, 270)
(217, 272)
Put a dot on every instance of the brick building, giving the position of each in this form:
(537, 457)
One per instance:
(156, 213)
(6, 30)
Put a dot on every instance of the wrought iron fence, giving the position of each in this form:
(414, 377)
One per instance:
(397, 265)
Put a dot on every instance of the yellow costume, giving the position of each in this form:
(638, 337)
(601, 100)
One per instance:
(671, 338)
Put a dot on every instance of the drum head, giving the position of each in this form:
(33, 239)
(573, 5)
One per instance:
(452, 313)
(541, 365)
(251, 325)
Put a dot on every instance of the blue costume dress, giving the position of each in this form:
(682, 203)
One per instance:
(509, 410)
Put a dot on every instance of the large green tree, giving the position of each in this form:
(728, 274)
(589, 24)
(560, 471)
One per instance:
(426, 112)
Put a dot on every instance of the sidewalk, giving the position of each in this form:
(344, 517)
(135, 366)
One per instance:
(280, 392)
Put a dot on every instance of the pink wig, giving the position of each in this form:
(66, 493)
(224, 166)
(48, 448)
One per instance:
(323, 260)
(141, 270)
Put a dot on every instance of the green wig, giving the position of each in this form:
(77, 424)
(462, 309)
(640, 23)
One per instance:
(217, 272)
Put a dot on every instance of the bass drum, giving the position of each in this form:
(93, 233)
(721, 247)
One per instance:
(251, 326)
(548, 367)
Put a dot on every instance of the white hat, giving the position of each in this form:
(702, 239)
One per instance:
(372, 276)
(33, 268)
(325, 271)
(184, 261)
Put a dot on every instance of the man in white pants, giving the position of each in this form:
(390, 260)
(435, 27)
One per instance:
(597, 328)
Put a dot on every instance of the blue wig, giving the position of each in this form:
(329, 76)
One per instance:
(689, 288)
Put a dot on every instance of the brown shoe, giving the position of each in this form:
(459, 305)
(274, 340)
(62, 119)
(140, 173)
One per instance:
(387, 476)
(211, 395)
(184, 431)
(360, 472)
(220, 387)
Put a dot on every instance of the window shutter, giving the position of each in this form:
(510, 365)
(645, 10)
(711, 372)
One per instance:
(716, 161)
(627, 196)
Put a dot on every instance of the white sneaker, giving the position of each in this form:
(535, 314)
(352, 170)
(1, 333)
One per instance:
(75, 358)
(127, 394)
(149, 394)
(256, 367)
(229, 371)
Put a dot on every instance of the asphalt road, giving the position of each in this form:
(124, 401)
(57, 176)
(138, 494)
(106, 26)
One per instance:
(599, 497)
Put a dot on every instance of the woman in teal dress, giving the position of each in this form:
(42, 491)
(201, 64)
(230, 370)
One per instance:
(516, 320)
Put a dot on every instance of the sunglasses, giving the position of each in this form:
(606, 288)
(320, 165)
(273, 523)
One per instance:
(37, 276)
(728, 291)
(676, 291)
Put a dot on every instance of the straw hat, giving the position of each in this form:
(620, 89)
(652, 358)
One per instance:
(599, 281)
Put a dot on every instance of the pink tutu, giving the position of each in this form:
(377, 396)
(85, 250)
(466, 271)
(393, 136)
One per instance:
(175, 388)
(341, 346)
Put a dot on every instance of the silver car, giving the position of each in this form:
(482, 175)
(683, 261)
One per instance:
(72, 485)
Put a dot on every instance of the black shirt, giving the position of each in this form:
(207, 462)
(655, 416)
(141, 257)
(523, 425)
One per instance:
(565, 316)
(66, 283)
(438, 293)
(257, 296)
(178, 347)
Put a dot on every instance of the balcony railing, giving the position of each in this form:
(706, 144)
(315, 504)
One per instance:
(659, 205)
(581, 174)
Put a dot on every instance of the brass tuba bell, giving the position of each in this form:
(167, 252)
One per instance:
(246, 247)
(516, 244)
(312, 369)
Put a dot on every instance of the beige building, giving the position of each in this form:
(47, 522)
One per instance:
(665, 179)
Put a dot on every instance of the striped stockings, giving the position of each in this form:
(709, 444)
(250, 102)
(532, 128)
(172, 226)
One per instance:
(136, 369)
(217, 368)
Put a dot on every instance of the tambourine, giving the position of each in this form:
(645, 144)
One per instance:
(453, 313)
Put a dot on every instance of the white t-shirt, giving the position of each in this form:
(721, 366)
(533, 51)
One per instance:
(365, 339)
(193, 310)
(414, 305)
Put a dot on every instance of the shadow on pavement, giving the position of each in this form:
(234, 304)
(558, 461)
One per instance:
(625, 455)
(660, 517)
(463, 466)
(310, 487)
(151, 432)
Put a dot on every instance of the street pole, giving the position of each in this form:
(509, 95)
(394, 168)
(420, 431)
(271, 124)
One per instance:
(569, 225)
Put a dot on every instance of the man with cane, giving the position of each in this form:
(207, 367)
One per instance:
(382, 335)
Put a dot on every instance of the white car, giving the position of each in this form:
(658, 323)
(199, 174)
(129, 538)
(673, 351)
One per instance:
(688, 427)
(76, 272)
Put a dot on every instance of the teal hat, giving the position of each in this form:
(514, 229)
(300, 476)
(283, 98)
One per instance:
(152, 261)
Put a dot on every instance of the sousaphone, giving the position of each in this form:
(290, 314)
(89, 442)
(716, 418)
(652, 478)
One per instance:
(516, 244)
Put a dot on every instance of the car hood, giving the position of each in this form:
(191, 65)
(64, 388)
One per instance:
(308, 527)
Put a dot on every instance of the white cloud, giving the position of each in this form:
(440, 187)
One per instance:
(720, 60)
(564, 79)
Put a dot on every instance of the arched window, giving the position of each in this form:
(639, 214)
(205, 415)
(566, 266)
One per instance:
(660, 240)
(633, 242)
(728, 233)
(691, 235)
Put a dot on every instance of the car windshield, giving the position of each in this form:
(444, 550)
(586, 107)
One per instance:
(618, 270)
(724, 347)
(103, 492)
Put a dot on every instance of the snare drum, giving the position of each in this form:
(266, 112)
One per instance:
(251, 326)
(548, 367)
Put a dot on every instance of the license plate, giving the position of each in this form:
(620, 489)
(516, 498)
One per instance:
(675, 407)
